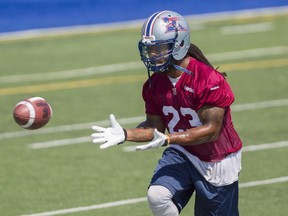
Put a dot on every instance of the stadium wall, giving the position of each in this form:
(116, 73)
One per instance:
(19, 15)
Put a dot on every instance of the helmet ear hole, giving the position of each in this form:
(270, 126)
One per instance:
(182, 43)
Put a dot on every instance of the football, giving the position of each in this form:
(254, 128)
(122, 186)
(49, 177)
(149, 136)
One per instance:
(32, 113)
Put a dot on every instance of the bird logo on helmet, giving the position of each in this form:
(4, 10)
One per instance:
(172, 24)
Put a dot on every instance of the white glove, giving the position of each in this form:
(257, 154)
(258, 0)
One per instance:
(159, 140)
(109, 136)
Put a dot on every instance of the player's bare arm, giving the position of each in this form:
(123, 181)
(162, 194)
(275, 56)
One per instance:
(211, 118)
(144, 131)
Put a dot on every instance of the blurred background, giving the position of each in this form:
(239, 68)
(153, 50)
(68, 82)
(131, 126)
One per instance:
(82, 57)
(16, 15)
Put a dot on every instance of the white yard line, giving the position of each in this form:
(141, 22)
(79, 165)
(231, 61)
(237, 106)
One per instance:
(89, 208)
(265, 146)
(57, 143)
(83, 72)
(247, 28)
(264, 182)
(250, 148)
(63, 128)
(115, 68)
(259, 105)
(248, 54)
(143, 199)
(86, 139)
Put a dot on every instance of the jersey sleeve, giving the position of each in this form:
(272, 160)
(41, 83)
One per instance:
(212, 89)
(148, 97)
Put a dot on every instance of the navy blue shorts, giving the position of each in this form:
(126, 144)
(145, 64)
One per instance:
(175, 172)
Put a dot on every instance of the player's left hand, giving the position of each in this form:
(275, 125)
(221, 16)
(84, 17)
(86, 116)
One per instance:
(110, 136)
(159, 140)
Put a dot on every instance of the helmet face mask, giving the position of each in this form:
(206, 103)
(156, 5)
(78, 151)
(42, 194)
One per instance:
(165, 35)
(157, 55)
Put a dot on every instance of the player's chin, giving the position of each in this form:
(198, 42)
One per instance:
(160, 63)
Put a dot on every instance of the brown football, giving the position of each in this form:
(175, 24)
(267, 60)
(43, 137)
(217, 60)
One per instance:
(32, 113)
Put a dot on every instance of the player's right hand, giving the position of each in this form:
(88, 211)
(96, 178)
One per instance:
(159, 140)
(110, 136)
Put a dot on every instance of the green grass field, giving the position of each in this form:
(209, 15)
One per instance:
(79, 174)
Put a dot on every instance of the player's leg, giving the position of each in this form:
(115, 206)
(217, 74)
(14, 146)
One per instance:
(160, 201)
(171, 186)
(211, 200)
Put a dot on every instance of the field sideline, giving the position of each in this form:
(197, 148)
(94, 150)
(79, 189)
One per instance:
(86, 29)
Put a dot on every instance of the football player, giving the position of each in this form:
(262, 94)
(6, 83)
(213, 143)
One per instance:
(191, 100)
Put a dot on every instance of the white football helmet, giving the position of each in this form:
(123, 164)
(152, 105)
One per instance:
(165, 34)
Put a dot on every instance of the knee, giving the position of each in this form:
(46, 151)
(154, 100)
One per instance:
(157, 195)
(160, 201)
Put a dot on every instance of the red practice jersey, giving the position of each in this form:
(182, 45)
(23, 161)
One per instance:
(178, 106)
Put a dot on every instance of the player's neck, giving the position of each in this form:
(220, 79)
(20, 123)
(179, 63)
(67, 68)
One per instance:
(175, 73)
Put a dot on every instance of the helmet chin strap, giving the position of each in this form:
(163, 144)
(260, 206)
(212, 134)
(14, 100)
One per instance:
(177, 67)
(149, 77)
